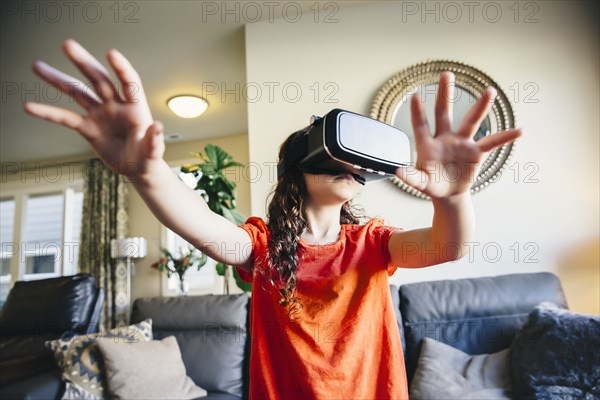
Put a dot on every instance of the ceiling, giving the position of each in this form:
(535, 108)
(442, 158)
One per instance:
(178, 47)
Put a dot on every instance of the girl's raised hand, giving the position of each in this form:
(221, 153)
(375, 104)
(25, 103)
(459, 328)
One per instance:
(118, 126)
(448, 162)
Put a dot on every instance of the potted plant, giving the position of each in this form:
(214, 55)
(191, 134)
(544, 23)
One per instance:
(219, 193)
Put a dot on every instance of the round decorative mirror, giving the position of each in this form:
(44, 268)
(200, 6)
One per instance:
(392, 106)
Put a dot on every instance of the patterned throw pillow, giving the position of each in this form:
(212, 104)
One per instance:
(81, 362)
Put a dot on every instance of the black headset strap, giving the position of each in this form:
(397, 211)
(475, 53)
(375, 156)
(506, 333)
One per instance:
(295, 152)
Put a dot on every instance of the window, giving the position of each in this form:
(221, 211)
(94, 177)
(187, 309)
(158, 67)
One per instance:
(206, 279)
(42, 234)
(7, 217)
(40, 230)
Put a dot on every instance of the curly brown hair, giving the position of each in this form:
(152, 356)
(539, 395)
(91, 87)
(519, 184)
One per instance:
(286, 222)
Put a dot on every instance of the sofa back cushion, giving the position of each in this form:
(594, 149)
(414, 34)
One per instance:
(476, 315)
(394, 292)
(211, 333)
(50, 307)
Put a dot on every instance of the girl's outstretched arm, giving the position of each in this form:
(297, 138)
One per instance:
(445, 154)
(120, 129)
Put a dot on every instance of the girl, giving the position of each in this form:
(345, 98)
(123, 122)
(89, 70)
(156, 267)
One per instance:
(322, 320)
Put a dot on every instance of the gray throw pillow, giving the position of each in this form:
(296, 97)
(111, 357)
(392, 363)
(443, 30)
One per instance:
(147, 370)
(444, 372)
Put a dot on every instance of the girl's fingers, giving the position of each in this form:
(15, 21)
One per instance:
(130, 79)
(444, 103)
(498, 139)
(92, 69)
(419, 122)
(74, 88)
(154, 141)
(57, 115)
(477, 113)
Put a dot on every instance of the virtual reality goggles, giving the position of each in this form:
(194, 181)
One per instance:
(345, 142)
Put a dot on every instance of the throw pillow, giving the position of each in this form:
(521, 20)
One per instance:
(81, 362)
(444, 372)
(148, 370)
(555, 355)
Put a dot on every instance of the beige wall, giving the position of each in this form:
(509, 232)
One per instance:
(549, 220)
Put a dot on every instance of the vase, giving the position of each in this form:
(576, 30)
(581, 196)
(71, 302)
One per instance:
(183, 288)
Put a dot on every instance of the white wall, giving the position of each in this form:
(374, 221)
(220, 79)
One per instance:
(551, 220)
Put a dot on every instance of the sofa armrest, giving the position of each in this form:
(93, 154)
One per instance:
(94, 324)
(46, 386)
(49, 306)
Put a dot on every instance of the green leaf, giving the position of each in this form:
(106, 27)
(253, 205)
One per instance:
(215, 206)
(222, 187)
(211, 153)
(243, 285)
(220, 268)
(224, 196)
(233, 216)
(209, 168)
(222, 158)
(230, 185)
(233, 164)
(238, 218)
(228, 214)
(202, 261)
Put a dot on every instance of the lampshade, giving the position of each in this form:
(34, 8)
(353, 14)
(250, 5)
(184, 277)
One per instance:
(128, 248)
(187, 106)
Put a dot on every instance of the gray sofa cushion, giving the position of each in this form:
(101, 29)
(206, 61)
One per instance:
(477, 315)
(211, 333)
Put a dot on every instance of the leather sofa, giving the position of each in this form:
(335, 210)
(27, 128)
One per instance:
(476, 315)
(36, 311)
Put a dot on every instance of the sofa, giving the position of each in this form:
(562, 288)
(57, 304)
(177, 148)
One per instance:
(475, 315)
(37, 311)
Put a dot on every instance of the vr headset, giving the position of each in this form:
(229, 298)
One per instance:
(345, 142)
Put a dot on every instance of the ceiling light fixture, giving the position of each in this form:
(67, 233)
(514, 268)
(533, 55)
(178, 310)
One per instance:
(187, 106)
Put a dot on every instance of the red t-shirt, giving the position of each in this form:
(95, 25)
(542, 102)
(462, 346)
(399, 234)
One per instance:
(345, 342)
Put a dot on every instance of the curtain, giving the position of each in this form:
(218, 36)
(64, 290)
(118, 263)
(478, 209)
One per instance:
(105, 218)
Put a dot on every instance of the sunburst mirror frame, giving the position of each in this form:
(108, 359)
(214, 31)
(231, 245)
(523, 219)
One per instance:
(397, 90)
